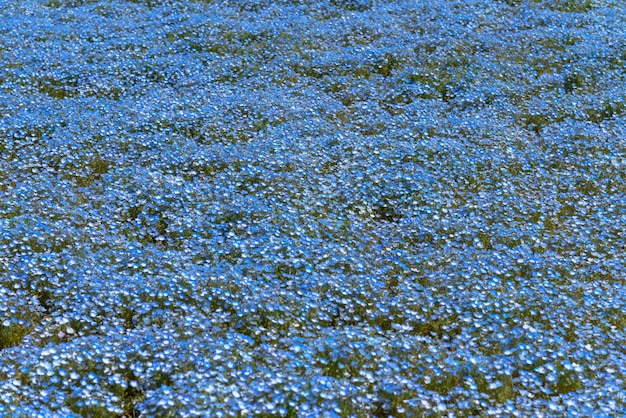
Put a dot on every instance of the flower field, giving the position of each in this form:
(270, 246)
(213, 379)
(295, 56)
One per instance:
(303, 208)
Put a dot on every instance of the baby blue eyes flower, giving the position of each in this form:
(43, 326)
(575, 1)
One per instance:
(312, 208)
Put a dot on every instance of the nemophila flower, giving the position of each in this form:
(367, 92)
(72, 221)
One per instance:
(296, 208)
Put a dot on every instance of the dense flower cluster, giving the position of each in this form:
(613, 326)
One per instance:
(312, 208)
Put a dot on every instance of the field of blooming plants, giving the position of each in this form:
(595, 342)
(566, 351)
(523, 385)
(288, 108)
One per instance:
(293, 208)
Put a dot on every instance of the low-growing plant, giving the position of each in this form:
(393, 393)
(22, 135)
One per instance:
(312, 208)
